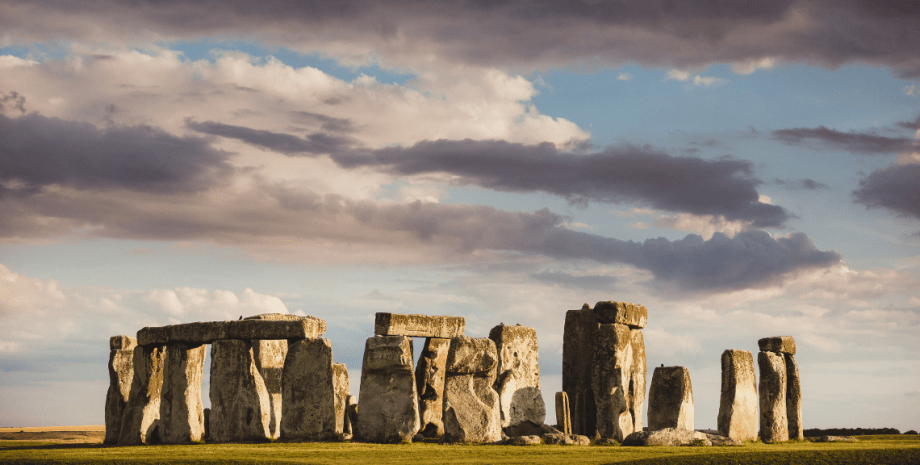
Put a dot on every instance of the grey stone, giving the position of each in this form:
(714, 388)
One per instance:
(181, 411)
(122, 343)
(305, 327)
(836, 439)
(618, 380)
(142, 412)
(666, 437)
(268, 326)
(633, 315)
(309, 391)
(774, 425)
(719, 440)
(351, 415)
(121, 374)
(578, 344)
(389, 400)
(199, 332)
(778, 344)
(398, 324)
(240, 405)
(793, 398)
(429, 379)
(341, 393)
(152, 336)
(563, 418)
(471, 408)
(207, 424)
(557, 439)
(738, 405)
(579, 440)
(277, 317)
(518, 378)
(269, 355)
(530, 440)
(670, 399)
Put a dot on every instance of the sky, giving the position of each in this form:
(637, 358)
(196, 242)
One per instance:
(743, 170)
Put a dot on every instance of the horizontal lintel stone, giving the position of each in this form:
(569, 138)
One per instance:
(777, 344)
(397, 324)
(633, 315)
(206, 332)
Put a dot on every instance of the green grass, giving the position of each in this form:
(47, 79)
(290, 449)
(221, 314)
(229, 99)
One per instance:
(869, 449)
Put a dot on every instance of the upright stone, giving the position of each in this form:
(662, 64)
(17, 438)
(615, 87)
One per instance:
(142, 412)
(342, 391)
(240, 405)
(614, 381)
(269, 355)
(429, 380)
(351, 415)
(563, 418)
(670, 399)
(471, 406)
(774, 425)
(637, 378)
(309, 391)
(578, 344)
(389, 401)
(397, 324)
(518, 380)
(793, 398)
(181, 411)
(738, 405)
(121, 374)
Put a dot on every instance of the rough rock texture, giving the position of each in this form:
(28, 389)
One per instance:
(341, 393)
(557, 438)
(793, 398)
(152, 335)
(670, 399)
(269, 356)
(526, 440)
(309, 391)
(578, 344)
(738, 405)
(836, 439)
(389, 401)
(518, 378)
(122, 343)
(429, 379)
(207, 424)
(277, 317)
(471, 407)
(121, 374)
(268, 326)
(349, 419)
(624, 313)
(240, 405)
(778, 344)
(719, 440)
(181, 411)
(200, 332)
(774, 425)
(618, 380)
(563, 418)
(142, 413)
(666, 437)
(277, 329)
(398, 324)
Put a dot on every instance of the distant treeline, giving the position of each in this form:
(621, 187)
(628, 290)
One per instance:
(815, 432)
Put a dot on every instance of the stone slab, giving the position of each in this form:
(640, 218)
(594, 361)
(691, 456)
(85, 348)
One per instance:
(142, 413)
(153, 336)
(121, 374)
(633, 315)
(778, 344)
(206, 332)
(181, 410)
(341, 391)
(610, 381)
(774, 425)
(240, 405)
(518, 378)
(269, 355)
(738, 403)
(429, 380)
(578, 344)
(793, 398)
(309, 391)
(563, 417)
(670, 399)
(471, 405)
(398, 324)
(388, 411)
(666, 437)
(122, 343)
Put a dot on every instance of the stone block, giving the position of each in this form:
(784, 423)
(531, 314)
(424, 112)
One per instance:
(153, 335)
(670, 399)
(306, 327)
(181, 411)
(526, 440)
(563, 418)
(666, 437)
(429, 380)
(774, 425)
(793, 398)
(121, 374)
(269, 355)
(309, 391)
(624, 313)
(471, 406)
(200, 332)
(397, 324)
(240, 405)
(518, 378)
(618, 380)
(351, 415)
(578, 344)
(276, 317)
(342, 391)
(738, 405)
(140, 421)
(122, 343)
(637, 377)
(778, 344)
(389, 400)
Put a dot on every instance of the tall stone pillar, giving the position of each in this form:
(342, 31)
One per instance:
(518, 380)
(342, 391)
(670, 399)
(269, 355)
(471, 406)
(240, 405)
(429, 379)
(738, 405)
(611, 381)
(181, 411)
(793, 398)
(388, 409)
(140, 421)
(563, 417)
(121, 374)
(774, 425)
(309, 391)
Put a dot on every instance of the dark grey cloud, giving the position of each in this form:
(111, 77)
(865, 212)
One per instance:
(317, 143)
(12, 101)
(575, 281)
(801, 184)
(326, 123)
(896, 188)
(867, 143)
(910, 125)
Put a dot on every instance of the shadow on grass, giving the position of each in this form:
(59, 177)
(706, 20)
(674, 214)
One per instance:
(50, 446)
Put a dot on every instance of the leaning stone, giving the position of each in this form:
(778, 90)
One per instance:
(121, 374)
(615, 383)
(351, 414)
(526, 440)
(240, 405)
(306, 327)
(778, 344)
(429, 379)
(793, 398)
(471, 408)
(563, 418)
(666, 437)
(624, 313)
(398, 324)
(774, 425)
(122, 343)
(181, 411)
(738, 405)
(389, 400)
(518, 379)
(341, 393)
(670, 399)
(142, 412)
(309, 391)
(269, 355)
(152, 335)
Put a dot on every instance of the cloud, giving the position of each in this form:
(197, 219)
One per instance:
(896, 188)
(749, 66)
(316, 143)
(800, 184)
(624, 77)
(575, 281)
(911, 90)
(866, 143)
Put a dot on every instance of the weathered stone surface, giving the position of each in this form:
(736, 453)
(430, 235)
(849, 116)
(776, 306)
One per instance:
(774, 425)
(268, 326)
(778, 344)
(578, 343)
(276, 317)
(637, 377)
(341, 391)
(618, 380)
(624, 313)
(309, 391)
(518, 378)
(351, 415)
(389, 400)
(670, 399)
(121, 374)
(199, 332)
(181, 411)
(563, 418)
(738, 405)
(836, 439)
(142, 413)
(122, 343)
(557, 439)
(269, 355)
(207, 424)
(793, 398)
(429, 379)
(579, 440)
(666, 437)
(152, 335)
(240, 405)
(471, 408)
(719, 440)
(398, 324)
(526, 440)
(306, 327)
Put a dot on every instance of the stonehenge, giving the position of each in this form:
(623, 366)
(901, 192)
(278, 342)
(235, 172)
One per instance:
(429, 379)
(670, 399)
(780, 390)
(388, 400)
(181, 411)
(309, 391)
(738, 404)
(518, 380)
(121, 374)
(471, 406)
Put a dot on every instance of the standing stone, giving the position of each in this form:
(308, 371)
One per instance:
(471, 406)
(389, 400)
(670, 399)
(429, 379)
(774, 425)
(342, 391)
(793, 398)
(563, 418)
(637, 377)
(578, 343)
(518, 380)
(240, 405)
(738, 404)
(610, 381)
(121, 374)
(351, 415)
(269, 356)
(142, 413)
(181, 412)
(309, 391)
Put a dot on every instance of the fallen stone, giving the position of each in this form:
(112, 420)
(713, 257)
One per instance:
(526, 440)
(308, 400)
(471, 407)
(778, 344)
(269, 355)
(429, 379)
(142, 412)
(606, 442)
(624, 313)
(122, 343)
(398, 324)
(738, 405)
(341, 393)
(121, 374)
(670, 399)
(181, 411)
(518, 378)
(793, 398)
(836, 439)
(774, 424)
(563, 418)
(719, 440)
(389, 400)
(579, 440)
(557, 439)
(240, 405)
(667, 437)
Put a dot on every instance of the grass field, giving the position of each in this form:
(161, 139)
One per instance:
(870, 449)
